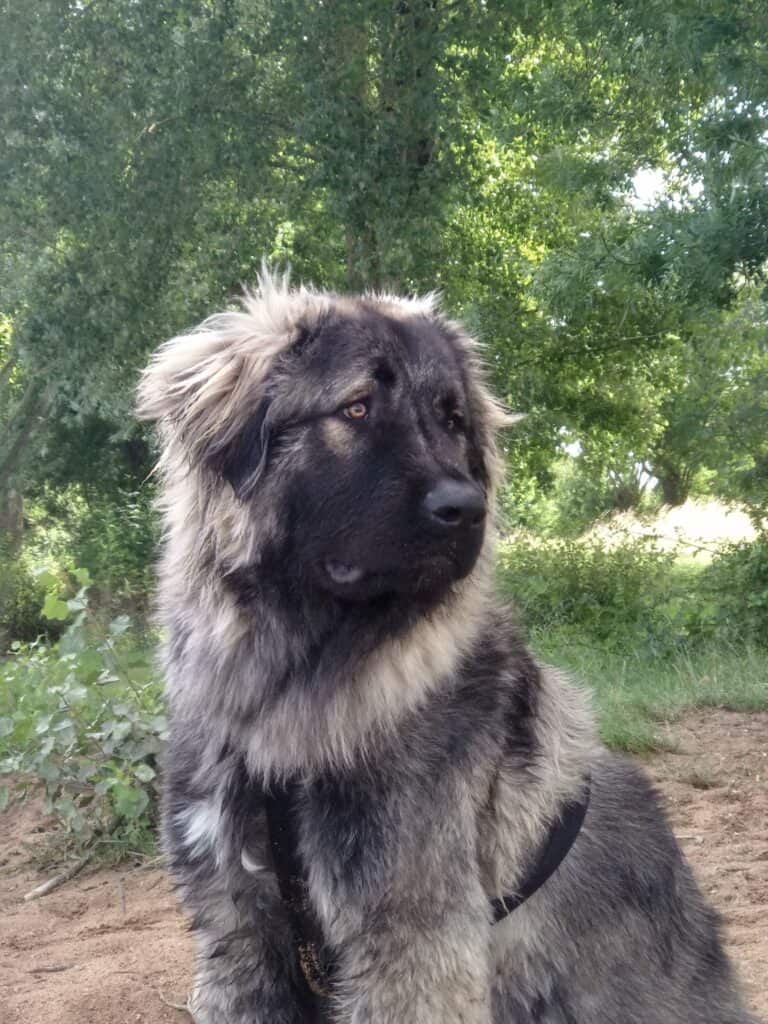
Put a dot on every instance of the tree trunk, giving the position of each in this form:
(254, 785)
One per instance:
(28, 419)
(11, 522)
(675, 485)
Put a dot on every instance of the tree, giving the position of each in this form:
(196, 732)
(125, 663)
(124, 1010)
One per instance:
(155, 152)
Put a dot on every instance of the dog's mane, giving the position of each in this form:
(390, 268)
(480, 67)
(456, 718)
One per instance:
(224, 661)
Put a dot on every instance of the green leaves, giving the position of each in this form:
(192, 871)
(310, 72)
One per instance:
(119, 625)
(145, 773)
(618, 597)
(488, 152)
(54, 608)
(85, 717)
(128, 801)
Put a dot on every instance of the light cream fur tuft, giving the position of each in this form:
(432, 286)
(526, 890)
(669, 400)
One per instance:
(203, 384)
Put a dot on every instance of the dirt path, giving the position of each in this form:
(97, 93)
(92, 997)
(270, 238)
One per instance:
(103, 948)
(716, 790)
(99, 950)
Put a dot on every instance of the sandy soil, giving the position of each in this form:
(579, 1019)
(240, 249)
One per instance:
(716, 790)
(110, 945)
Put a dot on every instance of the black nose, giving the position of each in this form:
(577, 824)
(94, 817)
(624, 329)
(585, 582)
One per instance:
(453, 503)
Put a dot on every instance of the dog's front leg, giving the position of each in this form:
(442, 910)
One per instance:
(410, 968)
(215, 841)
(398, 888)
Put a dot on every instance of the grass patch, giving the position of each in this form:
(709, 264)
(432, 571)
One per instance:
(634, 691)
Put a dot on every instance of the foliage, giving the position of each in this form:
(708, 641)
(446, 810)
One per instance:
(573, 494)
(647, 635)
(85, 716)
(21, 600)
(620, 597)
(733, 594)
(633, 595)
(64, 528)
(116, 537)
(155, 152)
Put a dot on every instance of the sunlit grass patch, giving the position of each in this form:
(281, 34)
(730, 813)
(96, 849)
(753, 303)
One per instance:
(634, 692)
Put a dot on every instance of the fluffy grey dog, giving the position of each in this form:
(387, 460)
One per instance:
(367, 767)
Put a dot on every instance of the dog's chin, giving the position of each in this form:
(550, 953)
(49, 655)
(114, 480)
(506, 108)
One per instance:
(428, 580)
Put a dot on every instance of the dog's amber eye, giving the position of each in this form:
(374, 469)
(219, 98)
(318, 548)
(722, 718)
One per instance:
(356, 411)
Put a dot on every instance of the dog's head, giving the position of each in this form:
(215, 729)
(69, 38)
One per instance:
(345, 446)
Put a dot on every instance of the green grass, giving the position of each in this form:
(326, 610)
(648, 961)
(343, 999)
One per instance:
(634, 692)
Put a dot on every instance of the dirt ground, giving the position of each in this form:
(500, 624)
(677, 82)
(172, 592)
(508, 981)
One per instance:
(109, 947)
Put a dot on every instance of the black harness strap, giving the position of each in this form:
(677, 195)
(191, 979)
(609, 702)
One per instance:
(558, 842)
(280, 802)
(316, 966)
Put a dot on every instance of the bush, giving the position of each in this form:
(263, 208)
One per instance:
(116, 537)
(85, 716)
(21, 599)
(571, 496)
(733, 594)
(620, 596)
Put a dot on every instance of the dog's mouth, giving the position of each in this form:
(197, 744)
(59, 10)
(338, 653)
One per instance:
(341, 574)
(352, 582)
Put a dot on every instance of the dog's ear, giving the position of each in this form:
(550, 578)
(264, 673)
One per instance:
(203, 388)
(242, 461)
(207, 390)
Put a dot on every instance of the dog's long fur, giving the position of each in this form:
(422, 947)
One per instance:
(432, 753)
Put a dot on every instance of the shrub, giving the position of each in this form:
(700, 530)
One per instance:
(116, 536)
(21, 599)
(85, 716)
(733, 594)
(620, 596)
(113, 534)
